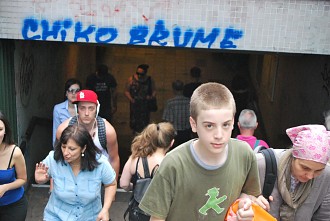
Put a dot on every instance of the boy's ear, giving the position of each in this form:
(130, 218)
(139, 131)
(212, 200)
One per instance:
(193, 124)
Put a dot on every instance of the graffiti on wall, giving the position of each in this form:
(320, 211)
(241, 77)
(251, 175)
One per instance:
(26, 78)
(160, 34)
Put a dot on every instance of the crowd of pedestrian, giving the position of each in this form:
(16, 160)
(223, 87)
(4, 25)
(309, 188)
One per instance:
(191, 165)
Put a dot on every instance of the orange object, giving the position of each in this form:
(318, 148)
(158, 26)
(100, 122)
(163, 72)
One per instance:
(259, 213)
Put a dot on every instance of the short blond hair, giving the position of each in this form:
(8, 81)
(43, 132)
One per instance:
(211, 95)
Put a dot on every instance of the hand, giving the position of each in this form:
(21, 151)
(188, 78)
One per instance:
(245, 211)
(3, 189)
(103, 215)
(41, 173)
(261, 201)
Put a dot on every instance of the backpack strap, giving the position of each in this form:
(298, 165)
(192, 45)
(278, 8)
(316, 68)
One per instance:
(102, 132)
(73, 120)
(256, 144)
(259, 148)
(271, 172)
(146, 167)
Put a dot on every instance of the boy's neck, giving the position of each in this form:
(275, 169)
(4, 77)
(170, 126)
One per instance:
(209, 158)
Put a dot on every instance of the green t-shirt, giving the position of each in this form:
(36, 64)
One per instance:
(184, 190)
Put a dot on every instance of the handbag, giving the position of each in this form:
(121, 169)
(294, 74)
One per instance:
(259, 213)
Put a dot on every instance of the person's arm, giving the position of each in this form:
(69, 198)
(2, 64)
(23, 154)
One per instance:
(112, 147)
(61, 128)
(56, 123)
(126, 175)
(127, 90)
(20, 168)
(109, 196)
(323, 212)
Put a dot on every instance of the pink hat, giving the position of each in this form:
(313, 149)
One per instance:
(310, 142)
(87, 96)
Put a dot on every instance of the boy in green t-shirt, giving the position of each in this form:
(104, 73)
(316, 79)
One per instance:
(201, 178)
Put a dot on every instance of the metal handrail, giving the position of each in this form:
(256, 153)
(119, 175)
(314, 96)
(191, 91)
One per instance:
(29, 131)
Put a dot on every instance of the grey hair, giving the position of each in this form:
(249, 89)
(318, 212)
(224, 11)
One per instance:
(247, 119)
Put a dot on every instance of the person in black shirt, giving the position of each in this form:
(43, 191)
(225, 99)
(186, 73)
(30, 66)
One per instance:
(195, 73)
(104, 85)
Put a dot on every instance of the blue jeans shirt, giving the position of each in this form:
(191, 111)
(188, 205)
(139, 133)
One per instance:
(76, 197)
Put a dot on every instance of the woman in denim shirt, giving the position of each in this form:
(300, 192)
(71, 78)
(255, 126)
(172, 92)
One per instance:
(78, 170)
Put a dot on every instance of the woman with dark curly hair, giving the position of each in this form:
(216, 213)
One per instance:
(78, 170)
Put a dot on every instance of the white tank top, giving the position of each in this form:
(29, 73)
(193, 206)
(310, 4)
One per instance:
(97, 143)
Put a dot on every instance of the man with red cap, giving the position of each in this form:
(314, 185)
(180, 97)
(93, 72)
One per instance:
(102, 132)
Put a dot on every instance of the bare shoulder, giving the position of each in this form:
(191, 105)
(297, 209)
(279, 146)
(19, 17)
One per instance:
(64, 125)
(17, 152)
(17, 155)
(110, 130)
(61, 127)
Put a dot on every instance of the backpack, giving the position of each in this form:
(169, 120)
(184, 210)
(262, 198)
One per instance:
(135, 213)
(100, 128)
(271, 170)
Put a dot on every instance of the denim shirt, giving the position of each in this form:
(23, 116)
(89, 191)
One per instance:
(60, 114)
(76, 197)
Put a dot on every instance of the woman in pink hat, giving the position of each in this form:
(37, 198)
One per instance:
(302, 189)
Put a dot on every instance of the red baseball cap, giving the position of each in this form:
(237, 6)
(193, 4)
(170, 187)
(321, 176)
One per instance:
(86, 96)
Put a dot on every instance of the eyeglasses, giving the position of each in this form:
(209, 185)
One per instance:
(73, 91)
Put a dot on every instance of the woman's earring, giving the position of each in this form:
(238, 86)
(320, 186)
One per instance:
(82, 154)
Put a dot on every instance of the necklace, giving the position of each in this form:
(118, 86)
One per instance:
(92, 132)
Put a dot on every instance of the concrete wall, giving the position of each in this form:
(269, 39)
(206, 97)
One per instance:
(293, 90)
(268, 25)
(41, 68)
